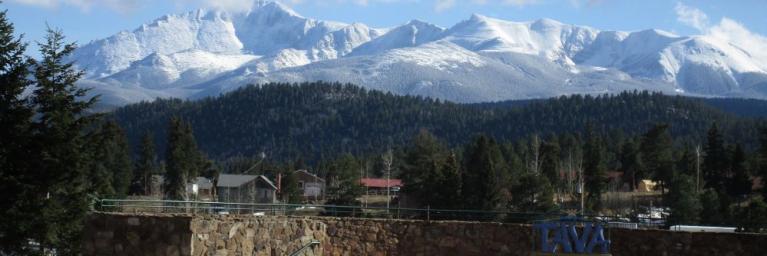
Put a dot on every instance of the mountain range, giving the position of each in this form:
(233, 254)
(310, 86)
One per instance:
(209, 52)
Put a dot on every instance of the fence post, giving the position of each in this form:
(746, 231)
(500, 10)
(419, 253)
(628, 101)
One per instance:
(428, 213)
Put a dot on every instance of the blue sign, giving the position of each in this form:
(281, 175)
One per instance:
(562, 237)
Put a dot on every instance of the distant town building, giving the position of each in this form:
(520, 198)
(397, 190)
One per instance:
(646, 186)
(312, 187)
(201, 190)
(246, 189)
(379, 186)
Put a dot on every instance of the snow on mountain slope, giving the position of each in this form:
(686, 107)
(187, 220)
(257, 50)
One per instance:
(210, 31)
(208, 52)
(413, 33)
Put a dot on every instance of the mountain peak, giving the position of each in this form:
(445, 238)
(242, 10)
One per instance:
(273, 7)
(478, 17)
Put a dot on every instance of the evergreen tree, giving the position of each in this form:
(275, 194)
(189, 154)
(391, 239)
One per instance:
(289, 190)
(19, 198)
(422, 168)
(485, 177)
(715, 163)
(710, 213)
(631, 163)
(739, 185)
(683, 201)
(111, 167)
(595, 175)
(61, 170)
(146, 166)
(184, 161)
(550, 152)
(533, 193)
(344, 181)
(754, 217)
(657, 154)
(449, 187)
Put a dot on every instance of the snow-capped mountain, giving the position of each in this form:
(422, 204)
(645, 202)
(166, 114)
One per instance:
(208, 52)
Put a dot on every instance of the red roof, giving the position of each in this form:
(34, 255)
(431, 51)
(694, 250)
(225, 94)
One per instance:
(380, 183)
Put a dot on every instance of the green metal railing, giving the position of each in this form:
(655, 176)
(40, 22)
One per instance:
(428, 214)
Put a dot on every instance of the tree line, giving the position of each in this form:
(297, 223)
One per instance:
(320, 120)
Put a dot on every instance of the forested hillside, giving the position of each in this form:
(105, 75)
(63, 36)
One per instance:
(315, 120)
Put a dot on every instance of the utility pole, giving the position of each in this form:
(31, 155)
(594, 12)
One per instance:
(581, 188)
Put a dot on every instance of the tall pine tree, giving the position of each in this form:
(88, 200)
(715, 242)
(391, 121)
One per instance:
(422, 168)
(111, 164)
(145, 167)
(19, 197)
(594, 171)
(739, 183)
(184, 161)
(657, 154)
(715, 164)
(683, 201)
(486, 176)
(61, 169)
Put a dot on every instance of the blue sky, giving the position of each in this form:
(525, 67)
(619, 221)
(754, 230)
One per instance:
(86, 20)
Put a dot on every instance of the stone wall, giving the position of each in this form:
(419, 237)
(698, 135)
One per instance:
(115, 234)
(112, 234)
(251, 235)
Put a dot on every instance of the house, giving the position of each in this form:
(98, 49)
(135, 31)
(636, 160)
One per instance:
(235, 188)
(200, 188)
(311, 186)
(379, 186)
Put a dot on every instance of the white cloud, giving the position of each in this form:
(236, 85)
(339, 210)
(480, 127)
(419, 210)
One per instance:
(521, 3)
(691, 16)
(441, 5)
(735, 33)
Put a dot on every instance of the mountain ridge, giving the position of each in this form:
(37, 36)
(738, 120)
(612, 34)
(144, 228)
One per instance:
(209, 52)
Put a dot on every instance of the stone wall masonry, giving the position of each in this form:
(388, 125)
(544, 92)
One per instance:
(117, 234)
(256, 235)
(120, 234)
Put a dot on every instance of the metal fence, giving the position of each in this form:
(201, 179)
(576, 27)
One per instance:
(225, 208)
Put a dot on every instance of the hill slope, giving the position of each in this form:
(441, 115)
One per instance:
(321, 119)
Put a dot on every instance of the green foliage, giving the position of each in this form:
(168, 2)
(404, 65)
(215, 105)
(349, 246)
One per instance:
(715, 164)
(289, 190)
(184, 161)
(711, 213)
(631, 163)
(486, 175)
(657, 154)
(683, 201)
(422, 169)
(533, 193)
(754, 217)
(18, 199)
(594, 171)
(550, 158)
(110, 170)
(146, 166)
(344, 181)
(60, 168)
(316, 120)
(739, 181)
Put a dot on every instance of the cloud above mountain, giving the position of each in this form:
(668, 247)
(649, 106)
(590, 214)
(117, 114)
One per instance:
(691, 16)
